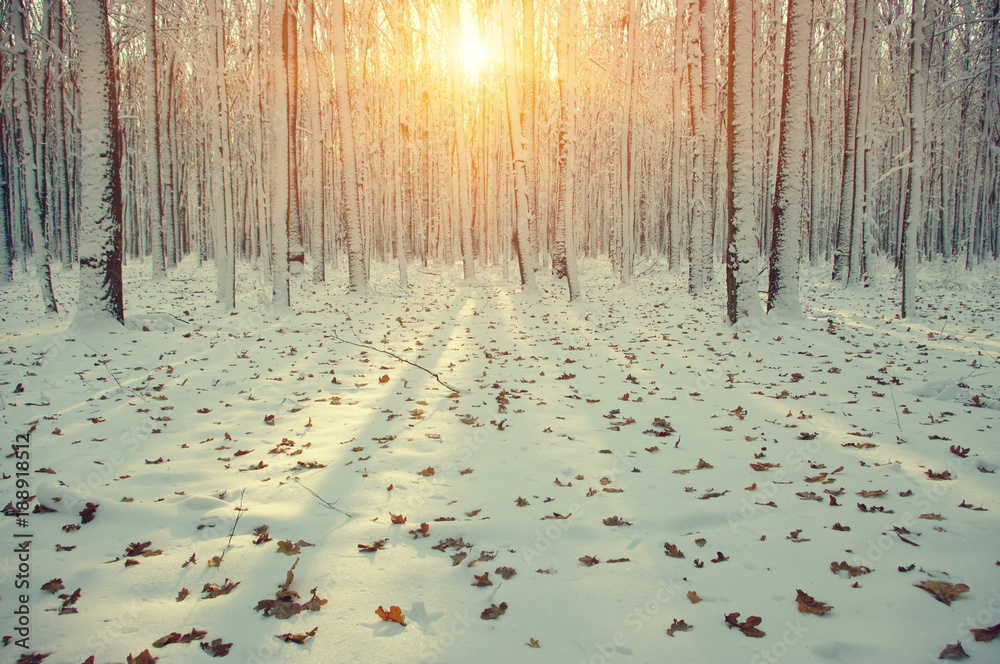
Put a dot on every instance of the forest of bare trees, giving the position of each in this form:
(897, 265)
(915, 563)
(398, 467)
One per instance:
(730, 141)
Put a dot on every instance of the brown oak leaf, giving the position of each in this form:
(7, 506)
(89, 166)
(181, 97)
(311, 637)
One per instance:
(216, 647)
(677, 626)
(493, 611)
(177, 637)
(986, 633)
(809, 605)
(672, 550)
(943, 591)
(302, 637)
(394, 614)
(374, 546)
(953, 651)
(213, 590)
(748, 627)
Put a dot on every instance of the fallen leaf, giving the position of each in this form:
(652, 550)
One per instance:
(693, 596)
(809, 605)
(182, 594)
(589, 560)
(302, 637)
(176, 637)
(986, 633)
(505, 572)
(615, 521)
(374, 546)
(394, 614)
(213, 590)
(88, 513)
(427, 472)
(672, 550)
(482, 580)
(943, 591)
(748, 627)
(533, 643)
(53, 586)
(494, 611)
(384, 378)
(216, 647)
(677, 626)
(145, 657)
(953, 651)
(852, 570)
(397, 518)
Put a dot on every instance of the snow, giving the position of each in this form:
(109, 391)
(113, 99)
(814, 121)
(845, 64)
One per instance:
(848, 366)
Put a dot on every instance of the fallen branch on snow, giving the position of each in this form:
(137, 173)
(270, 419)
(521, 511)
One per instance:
(437, 377)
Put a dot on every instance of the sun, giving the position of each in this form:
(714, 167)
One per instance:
(473, 55)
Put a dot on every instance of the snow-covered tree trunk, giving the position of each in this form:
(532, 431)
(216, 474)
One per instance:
(850, 212)
(278, 162)
(356, 270)
(317, 223)
(697, 254)
(528, 109)
(913, 214)
(221, 180)
(151, 71)
(741, 246)
(29, 160)
(677, 216)
(100, 239)
(399, 46)
(786, 224)
(296, 252)
(461, 142)
(625, 258)
(522, 211)
(565, 247)
(709, 110)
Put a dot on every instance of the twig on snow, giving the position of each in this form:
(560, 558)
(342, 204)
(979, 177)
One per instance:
(325, 503)
(437, 376)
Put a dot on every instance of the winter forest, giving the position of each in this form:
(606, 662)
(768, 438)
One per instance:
(556, 331)
(737, 139)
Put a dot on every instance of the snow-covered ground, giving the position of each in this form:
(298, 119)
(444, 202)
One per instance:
(745, 449)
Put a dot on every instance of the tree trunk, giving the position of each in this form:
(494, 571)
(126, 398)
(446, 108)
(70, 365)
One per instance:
(913, 214)
(565, 246)
(522, 211)
(29, 160)
(151, 72)
(356, 269)
(101, 206)
(741, 246)
(461, 143)
(789, 200)
(278, 165)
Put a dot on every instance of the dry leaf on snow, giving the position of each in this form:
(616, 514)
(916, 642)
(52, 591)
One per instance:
(953, 651)
(809, 605)
(494, 611)
(394, 614)
(216, 647)
(177, 637)
(748, 627)
(986, 633)
(302, 637)
(677, 626)
(942, 590)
